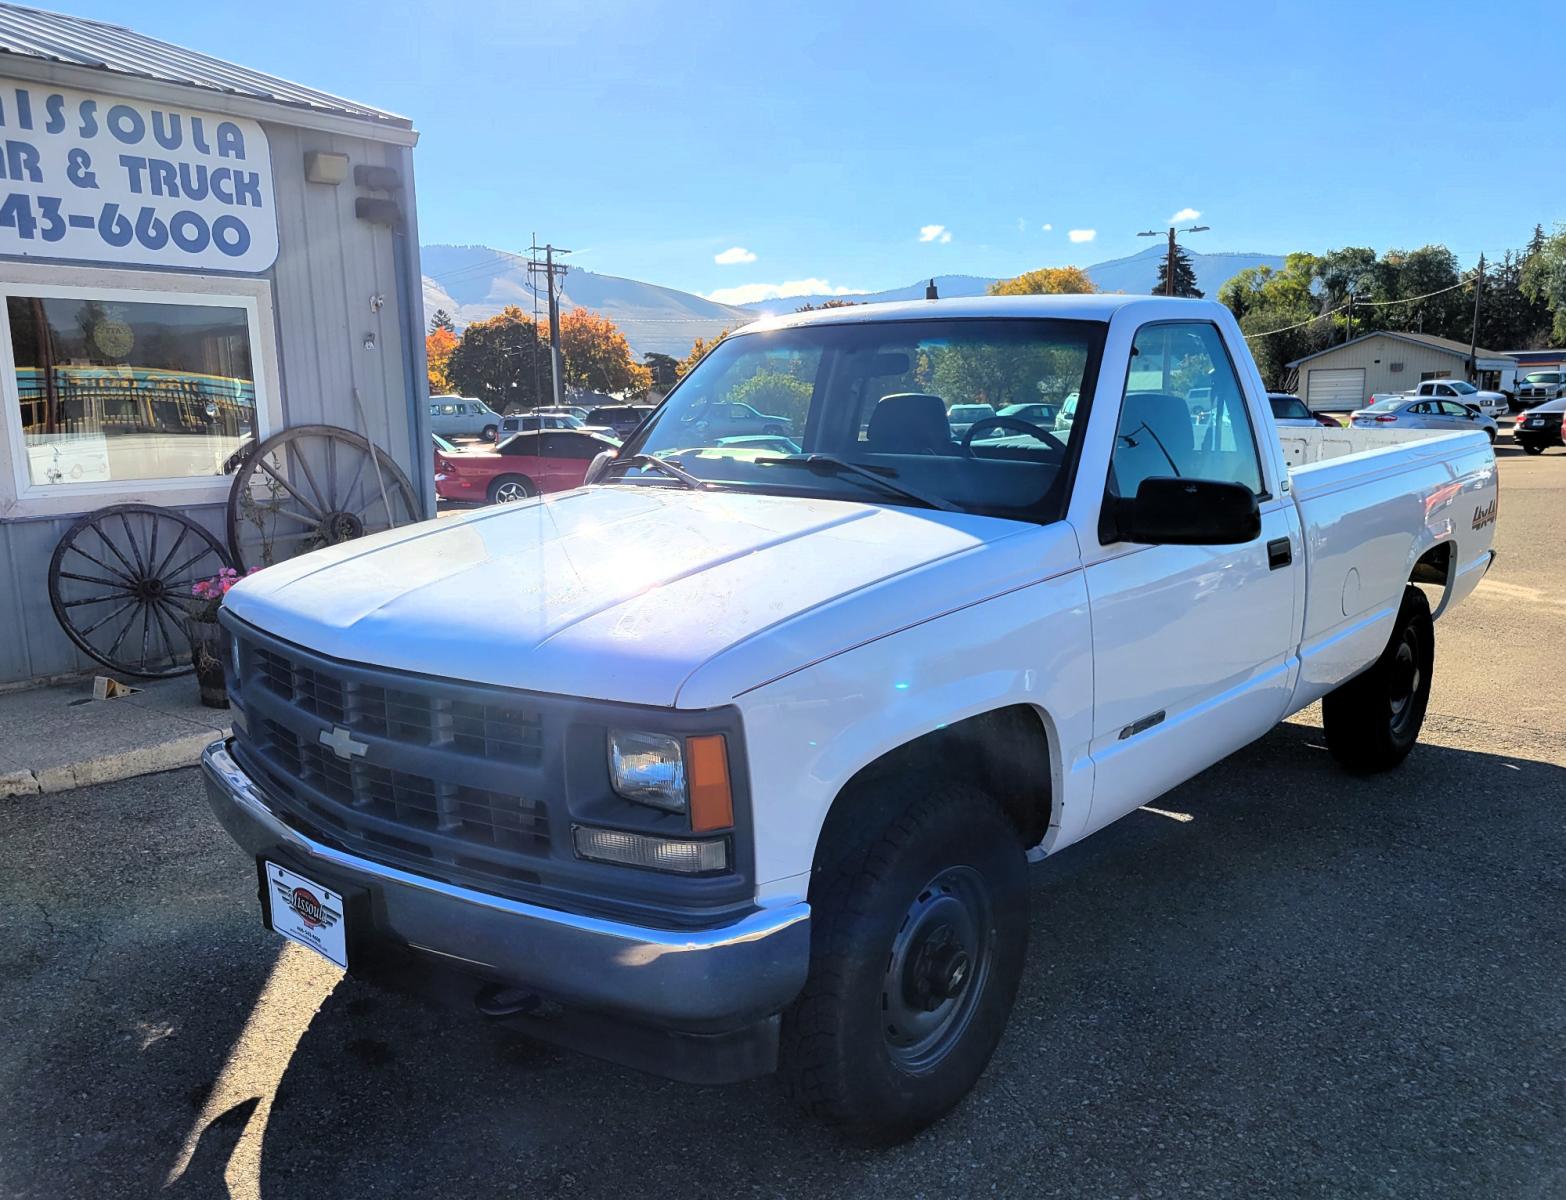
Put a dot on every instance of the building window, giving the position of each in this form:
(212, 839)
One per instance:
(110, 387)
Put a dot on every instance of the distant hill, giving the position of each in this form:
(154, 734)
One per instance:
(948, 286)
(475, 282)
(1136, 274)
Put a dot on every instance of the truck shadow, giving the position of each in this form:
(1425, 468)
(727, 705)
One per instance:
(1280, 979)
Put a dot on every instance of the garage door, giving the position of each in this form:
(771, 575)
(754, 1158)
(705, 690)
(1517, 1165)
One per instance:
(1338, 389)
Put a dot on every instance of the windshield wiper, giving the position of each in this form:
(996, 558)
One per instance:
(830, 464)
(659, 464)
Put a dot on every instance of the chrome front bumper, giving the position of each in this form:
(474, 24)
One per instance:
(705, 978)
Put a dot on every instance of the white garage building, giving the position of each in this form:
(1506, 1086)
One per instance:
(1341, 378)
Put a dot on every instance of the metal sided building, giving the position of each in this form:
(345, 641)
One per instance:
(191, 255)
(1342, 377)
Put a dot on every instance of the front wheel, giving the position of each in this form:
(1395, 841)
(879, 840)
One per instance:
(508, 489)
(1373, 720)
(917, 942)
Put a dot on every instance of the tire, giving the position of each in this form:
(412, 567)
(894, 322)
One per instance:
(774, 431)
(508, 489)
(1373, 720)
(1532, 448)
(918, 935)
(490, 433)
(1490, 433)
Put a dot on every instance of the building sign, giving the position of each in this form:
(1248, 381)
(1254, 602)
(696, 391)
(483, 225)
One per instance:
(99, 179)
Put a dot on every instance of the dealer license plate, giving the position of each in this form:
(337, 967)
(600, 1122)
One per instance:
(305, 912)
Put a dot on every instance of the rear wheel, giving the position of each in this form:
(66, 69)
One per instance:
(1373, 720)
(490, 432)
(1532, 448)
(917, 942)
(508, 489)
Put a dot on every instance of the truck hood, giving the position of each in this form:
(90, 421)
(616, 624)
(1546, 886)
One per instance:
(613, 593)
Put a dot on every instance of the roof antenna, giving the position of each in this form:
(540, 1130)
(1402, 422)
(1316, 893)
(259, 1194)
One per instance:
(929, 291)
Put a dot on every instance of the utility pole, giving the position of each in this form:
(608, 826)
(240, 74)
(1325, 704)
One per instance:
(549, 270)
(1348, 325)
(1473, 337)
(1169, 265)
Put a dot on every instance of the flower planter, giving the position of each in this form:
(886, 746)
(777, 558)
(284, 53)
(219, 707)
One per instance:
(206, 655)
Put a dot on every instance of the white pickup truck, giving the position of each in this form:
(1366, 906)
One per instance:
(732, 760)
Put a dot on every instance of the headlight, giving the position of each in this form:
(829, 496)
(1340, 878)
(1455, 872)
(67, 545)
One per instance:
(648, 768)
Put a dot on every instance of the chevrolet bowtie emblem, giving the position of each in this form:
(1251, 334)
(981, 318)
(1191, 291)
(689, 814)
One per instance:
(341, 743)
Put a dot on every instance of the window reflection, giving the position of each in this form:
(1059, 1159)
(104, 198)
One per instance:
(114, 390)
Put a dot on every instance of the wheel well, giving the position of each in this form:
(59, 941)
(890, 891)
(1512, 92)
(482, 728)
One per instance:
(1434, 568)
(1005, 752)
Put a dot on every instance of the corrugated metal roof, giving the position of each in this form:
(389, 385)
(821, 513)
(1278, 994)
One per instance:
(77, 41)
(1445, 345)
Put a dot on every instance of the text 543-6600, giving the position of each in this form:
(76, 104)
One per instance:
(189, 231)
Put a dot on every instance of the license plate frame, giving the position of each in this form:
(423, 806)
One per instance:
(306, 911)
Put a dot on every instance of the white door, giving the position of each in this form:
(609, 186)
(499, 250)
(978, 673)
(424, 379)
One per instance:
(1192, 645)
(1337, 388)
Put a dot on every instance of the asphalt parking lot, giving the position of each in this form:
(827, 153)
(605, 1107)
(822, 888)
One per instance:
(1283, 981)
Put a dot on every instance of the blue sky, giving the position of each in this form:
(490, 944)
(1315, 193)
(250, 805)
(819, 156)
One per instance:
(835, 145)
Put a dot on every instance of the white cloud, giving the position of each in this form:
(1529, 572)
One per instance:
(734, 254)
(750, 293)
(1047, 227)
(1185, 214)
(1082, 235)
(1022, 224)
(935, 233)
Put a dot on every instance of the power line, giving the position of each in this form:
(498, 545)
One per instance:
(1322, 316)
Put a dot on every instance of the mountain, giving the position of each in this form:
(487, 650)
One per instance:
(475, 282)
(1137, 273)
(947, 286)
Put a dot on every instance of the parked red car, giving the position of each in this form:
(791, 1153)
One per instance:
(525, 464)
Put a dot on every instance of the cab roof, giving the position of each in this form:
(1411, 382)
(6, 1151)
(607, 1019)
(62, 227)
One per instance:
(1100, 308)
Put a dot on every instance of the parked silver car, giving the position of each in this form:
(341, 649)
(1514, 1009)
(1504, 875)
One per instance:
(1413, 412)
(463, 416)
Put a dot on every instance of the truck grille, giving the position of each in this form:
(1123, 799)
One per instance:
(446, 778)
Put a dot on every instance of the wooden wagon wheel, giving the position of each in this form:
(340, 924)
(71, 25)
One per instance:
(120, 585)
(313, 486)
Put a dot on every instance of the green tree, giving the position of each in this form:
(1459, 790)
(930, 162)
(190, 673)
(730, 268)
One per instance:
(1544, 278)
(1184, 275)
(827, 304)
(1046, 281)
(775, 393)
(664, 369)
(504, 361)
(442, 320)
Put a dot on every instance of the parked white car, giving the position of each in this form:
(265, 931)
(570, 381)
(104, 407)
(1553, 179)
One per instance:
(750, 774)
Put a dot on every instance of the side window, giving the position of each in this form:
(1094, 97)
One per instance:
(448, 410)
(434, 410)
(1443, 390)
(574, 445)
(1183, 413)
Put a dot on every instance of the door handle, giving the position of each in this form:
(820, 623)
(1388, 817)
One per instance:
(1279, 553)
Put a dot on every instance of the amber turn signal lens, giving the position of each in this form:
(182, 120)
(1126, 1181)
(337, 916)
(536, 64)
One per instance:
(707, 776)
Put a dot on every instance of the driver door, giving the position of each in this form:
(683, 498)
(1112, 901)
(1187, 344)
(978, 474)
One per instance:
(1192, 645)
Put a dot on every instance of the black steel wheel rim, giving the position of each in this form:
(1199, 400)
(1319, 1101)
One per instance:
(120, 585)
(1404, 681)
(313, 486)
(937, 969)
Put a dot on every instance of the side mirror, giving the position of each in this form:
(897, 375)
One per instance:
(1190, 512)
(596, 468)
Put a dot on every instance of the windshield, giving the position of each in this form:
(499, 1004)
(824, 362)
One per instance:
(1287, 408)
(1463, 389)
(1387, 405)
(1542, 377)
(883, 396)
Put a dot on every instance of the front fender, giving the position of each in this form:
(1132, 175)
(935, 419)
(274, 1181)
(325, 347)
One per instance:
(812, 731)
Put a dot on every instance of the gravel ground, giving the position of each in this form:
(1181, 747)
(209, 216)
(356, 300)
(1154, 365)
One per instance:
(1283, 982)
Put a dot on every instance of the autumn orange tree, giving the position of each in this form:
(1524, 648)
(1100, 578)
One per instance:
(438, 345)
(699, 349)
(1046, 281)
(596, 355)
